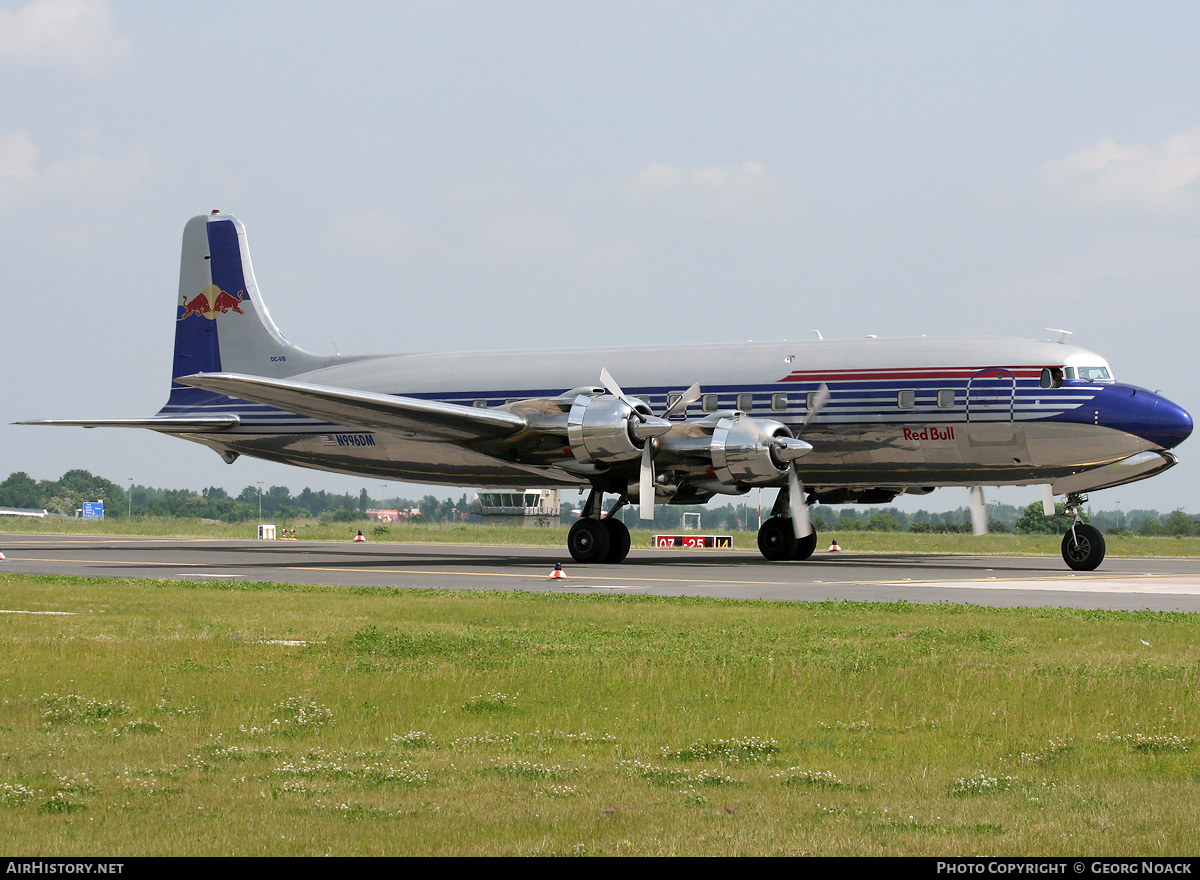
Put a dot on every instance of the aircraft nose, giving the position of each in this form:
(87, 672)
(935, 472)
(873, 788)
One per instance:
(1145, 414)
(1169, 424)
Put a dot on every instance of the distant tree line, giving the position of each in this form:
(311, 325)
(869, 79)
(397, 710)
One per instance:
(65, 497)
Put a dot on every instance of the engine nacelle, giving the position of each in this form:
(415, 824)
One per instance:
(744, 451)
(600, 429)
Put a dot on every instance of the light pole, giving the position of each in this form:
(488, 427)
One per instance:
(260, 500)
(130, 516)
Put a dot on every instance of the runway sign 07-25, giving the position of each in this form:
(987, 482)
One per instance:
(695, 542)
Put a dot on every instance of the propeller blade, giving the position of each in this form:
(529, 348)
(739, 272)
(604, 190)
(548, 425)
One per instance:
(801, 524)
(611, 386)
(979, 523)
(689, 397)
(646, 483)
(819, 401)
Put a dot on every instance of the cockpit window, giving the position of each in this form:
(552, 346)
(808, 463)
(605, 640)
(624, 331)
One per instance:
(1094, 374)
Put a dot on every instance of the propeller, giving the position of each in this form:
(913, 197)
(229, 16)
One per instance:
(789, 449)
(979, 522)
(647, 429)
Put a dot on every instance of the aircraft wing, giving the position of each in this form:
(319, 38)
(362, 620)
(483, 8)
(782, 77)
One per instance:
(169, 424)
(423, 419)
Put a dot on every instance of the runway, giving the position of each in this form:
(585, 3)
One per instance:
(1120, 583)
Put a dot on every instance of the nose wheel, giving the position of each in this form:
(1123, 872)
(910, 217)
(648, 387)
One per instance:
(1082, 545)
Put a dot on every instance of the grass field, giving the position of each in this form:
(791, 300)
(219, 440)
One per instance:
(163, 717)
(859, 542)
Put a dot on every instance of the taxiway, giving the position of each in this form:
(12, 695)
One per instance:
(1000, 581)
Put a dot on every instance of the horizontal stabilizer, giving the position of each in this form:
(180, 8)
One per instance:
(423, 419)
(169, 424)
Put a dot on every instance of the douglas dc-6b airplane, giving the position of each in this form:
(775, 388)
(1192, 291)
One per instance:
(825, 421)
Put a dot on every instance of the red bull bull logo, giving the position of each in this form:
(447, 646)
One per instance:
(213, 301)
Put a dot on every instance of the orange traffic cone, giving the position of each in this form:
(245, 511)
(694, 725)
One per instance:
(1, 555)
(359, 536)
(833, 547)
(558, 574)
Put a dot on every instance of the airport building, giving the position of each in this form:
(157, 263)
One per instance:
(533, 507)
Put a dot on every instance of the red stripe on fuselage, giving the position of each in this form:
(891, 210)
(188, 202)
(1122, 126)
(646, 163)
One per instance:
(905, 373)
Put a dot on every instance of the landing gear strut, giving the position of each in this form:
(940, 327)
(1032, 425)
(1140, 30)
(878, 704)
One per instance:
(593, 539)
(1082, 545)
(777, 539)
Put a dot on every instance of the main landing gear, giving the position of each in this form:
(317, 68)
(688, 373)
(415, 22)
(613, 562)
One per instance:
(777, 539)
(1082, 545)
(593, 539)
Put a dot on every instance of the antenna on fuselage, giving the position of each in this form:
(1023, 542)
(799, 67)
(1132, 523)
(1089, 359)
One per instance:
(1065, 334)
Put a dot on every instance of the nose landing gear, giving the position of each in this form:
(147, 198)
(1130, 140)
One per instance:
(1082, 545)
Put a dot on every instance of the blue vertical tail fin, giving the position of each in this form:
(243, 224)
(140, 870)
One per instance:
(221, 323)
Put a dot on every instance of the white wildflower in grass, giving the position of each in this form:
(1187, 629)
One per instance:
(60, 802)
(494, 702)
(981, 784)
(13, 794)
(811, 778)
(413, 739)
(674, 775)
(525, 770)
(566, 736)
(164, 705)
(79, 782)
(538, 736)
(318, 763)
(220, 752)
(745, 749)
(297, 715)
(141, 726)
(1053, 751)
(485, 739)
(74, 709)
(842, 725)
(559, 791)
(1151, 742)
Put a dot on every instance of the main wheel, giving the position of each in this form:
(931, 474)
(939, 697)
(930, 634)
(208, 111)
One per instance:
(776, 540)
(618, 540)
(588, 541)
(1083, 547)
(805, 546)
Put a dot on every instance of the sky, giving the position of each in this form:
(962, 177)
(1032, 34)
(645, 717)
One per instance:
(439, 176)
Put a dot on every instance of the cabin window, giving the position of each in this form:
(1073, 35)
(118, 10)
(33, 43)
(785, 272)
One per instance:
(672, 399)
(810, 399)
(779, 402)
(1068, 372)
(480, 404)
(708, 403)
(946, 398)
(745, 402)
(906, 399)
